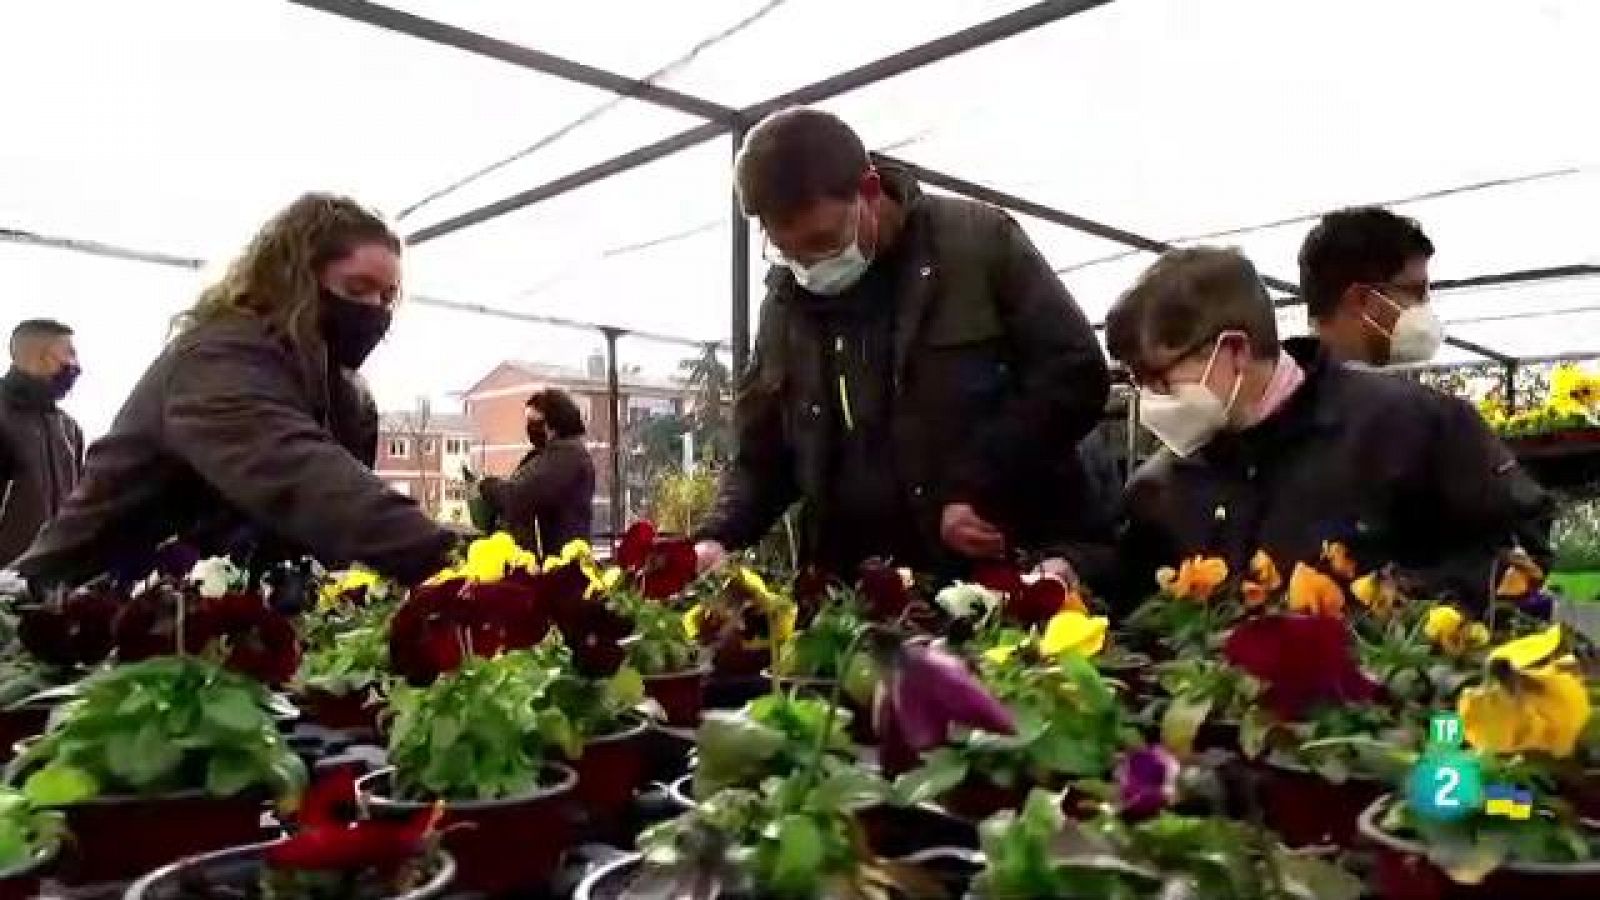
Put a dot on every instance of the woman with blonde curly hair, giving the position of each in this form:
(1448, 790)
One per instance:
(252, 433)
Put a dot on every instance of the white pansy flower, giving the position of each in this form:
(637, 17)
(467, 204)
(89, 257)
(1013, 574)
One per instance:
(967, 601)
(215, 576)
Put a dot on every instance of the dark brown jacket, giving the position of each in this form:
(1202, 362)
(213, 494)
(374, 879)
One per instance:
(41, 456)
(1396, 471)
(996, 375)
(549, 500)
(231, 444)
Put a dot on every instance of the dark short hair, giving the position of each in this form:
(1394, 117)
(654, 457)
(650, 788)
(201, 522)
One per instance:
(559, 412)
(1188, 296)
(1359, 245)
(35, 329)
(794, 158)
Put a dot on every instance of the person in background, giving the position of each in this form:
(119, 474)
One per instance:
(41, 447)
(1282, 448)
(1364, 277)
(920, 378)
(252, 433)
(549, 500)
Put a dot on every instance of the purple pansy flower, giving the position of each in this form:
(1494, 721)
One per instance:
(1147, 782)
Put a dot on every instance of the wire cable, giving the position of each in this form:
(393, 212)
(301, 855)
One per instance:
(597, 111)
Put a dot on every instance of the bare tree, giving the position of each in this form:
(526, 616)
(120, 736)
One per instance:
(415, 427)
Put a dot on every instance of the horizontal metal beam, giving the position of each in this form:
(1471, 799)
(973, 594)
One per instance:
(192, 264)
(1520, 276)
(402, 22)
(971, 38)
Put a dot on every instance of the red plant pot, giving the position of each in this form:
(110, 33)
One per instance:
(118, 838)
(1402, 870)
(499, 846)
(20, 723)
(681, 695)
(22, 882)
(1306, 809)
(611, 770)
(352, 712)
(978, 798)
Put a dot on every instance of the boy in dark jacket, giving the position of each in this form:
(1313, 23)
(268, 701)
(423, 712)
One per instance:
(921, 376)
(1282, 448)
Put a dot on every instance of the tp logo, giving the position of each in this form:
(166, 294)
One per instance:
(1446, 784)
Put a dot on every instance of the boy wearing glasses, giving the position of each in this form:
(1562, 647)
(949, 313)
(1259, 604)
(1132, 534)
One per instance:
(1281, 448)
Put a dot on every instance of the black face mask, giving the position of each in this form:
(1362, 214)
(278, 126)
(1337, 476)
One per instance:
(352, 329)
(64, 378)
(538, 435)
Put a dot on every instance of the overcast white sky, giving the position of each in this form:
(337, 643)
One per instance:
(179, 125)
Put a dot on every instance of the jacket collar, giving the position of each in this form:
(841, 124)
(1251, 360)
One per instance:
(24, 391)
(1303, 414)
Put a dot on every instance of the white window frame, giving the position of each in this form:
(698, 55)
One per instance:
(399, 448)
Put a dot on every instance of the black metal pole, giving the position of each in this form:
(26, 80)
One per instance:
(614, 402)
(1511, 386)
(741, 276)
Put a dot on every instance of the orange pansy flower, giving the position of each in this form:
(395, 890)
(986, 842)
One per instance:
(1522, 576)
(1196, 579)
(1312, 592)
(1264, 579)
(1338, 560)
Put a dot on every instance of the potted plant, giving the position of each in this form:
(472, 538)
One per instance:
(175, 749)
(341, 675)
(57, 640)
(651, 572)
(30, 837)
(480, 739)
(604, 735)
(796, 837)
(1523, 724)
(330, 855)
(1040, 852)
(1070, 726)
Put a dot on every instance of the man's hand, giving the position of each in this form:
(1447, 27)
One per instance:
(965, 532)
(1057, 567)
(709, 555)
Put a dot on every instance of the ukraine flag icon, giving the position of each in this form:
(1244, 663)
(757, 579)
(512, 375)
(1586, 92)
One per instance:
(1507, 801)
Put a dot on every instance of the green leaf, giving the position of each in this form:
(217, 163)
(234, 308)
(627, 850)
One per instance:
(732, 749)
(1469, 861)
(230, 773)
(935, 778)
(1181, 722)
(60, 784)
(446, 729)
(233, 709)
(1254, 726)
(626, 687)
(143, 759)
(797, 865)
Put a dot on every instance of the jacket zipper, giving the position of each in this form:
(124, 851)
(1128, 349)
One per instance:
(844, 386)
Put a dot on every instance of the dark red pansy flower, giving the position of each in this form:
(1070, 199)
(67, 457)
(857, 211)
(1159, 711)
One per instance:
(435, 628)
(1037, 602)
(637, 542)
(147, 625)
(1303, 661)
(884, 590)
(328, 841)
(260, 642)
(671, 567)
(1002, 578)
(74, 632)
(595, 638)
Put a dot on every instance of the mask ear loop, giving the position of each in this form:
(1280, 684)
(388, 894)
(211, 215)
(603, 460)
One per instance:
(1238, 378)
(1386, 332)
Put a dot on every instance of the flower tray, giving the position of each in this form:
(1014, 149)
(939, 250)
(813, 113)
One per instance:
(1402, 869)
(238, 870)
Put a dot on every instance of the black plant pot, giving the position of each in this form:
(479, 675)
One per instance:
(239, 868)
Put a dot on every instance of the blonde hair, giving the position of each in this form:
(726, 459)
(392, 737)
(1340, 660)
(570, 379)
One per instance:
(275, 278)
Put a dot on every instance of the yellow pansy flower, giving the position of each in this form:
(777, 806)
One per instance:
(1530, 650)
(1338, 559)
(1377, 592)
(1540, 709)
(1450, 631)
(1071, 631)
(351, 580)
(1573, 391)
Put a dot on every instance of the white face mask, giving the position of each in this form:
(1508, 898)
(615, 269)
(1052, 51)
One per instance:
(1189, 417)
(1417, 333)
(834, 275)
